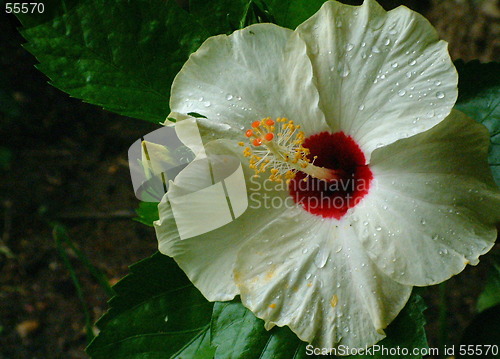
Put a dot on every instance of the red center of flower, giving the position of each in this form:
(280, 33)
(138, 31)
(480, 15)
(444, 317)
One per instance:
(332, 199)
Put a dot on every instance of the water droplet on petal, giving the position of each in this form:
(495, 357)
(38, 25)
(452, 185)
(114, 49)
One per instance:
(361, 107)
(440, 94)
(387, 42)
(206, 103)
(422, 221)
(349, 47)
(375, 49)
(412, 62)
(401, 93)
(229, 97)
(437, 82)
(378, 229)
(345, 70)
(321, 258)
(394, 65)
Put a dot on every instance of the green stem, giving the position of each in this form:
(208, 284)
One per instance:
(58, 233)
(442, 319)
(96, 273)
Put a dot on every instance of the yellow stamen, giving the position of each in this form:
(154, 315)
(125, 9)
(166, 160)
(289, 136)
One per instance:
(278, 145)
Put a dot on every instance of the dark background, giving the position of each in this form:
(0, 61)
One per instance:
(64, 160)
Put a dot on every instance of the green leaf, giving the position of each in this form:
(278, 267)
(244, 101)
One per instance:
(237, 333)
(157, 313)
(491, 293)
(291, 13)
(147, 213)
(219, 17)
(407, 331)
(479, 97)
(482, 333)
(121, 55)
(5, 158)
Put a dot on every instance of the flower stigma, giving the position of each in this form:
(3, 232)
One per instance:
(278, 145)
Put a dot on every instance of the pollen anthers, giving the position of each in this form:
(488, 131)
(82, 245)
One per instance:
(277, 145)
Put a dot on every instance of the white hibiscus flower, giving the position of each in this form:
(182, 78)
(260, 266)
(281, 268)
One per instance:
(372, 92)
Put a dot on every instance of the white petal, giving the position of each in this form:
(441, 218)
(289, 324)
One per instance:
(256, 72)
(382, 76)
(313, 276)
(208, 259)
(433, 205)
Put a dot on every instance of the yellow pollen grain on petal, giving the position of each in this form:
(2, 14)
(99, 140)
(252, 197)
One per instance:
(272, 306)
(237, 276)
(309, 284)
(334, 301)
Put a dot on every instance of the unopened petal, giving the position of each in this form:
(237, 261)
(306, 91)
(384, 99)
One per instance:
(208, 258)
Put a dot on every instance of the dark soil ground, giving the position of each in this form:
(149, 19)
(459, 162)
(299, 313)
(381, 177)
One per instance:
(69, 164)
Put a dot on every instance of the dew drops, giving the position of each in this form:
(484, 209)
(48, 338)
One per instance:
(339, 24)
(349, 47)
(365, 223)
(166, 318)
(440, 94)
(412, 62)
(361, 107)
(443, 251)
(422, 221)
(394, 65)
(401, 93)
(375, 49)
(308, 275)
(387, 42)
(305, 250)
(378, 229)
(229, 97)
(207, 103)
(409, 74)
(345, 71)
(321, 258)
(363, 44)
(201, 99)
(437, 83)
(435, 237)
